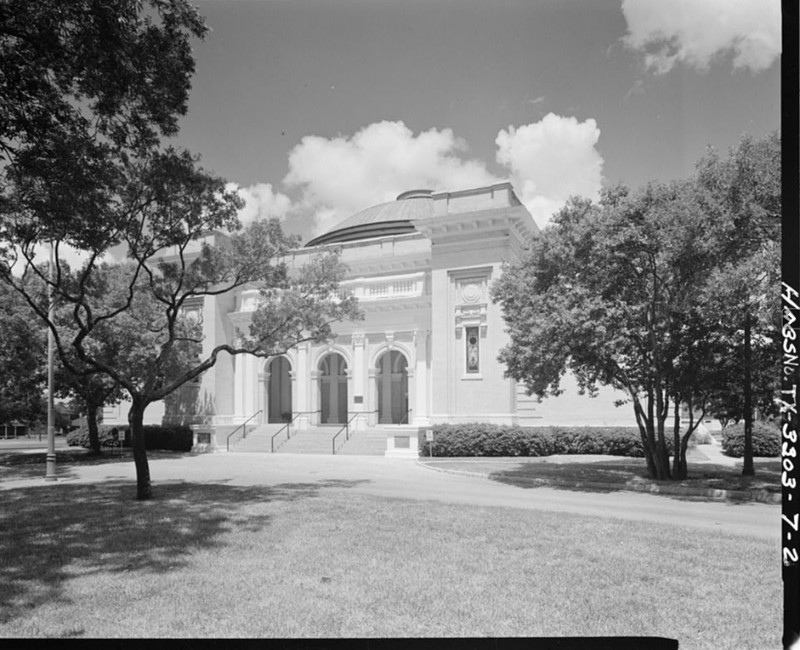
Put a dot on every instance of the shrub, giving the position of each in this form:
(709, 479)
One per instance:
(476, 439)
(170, 438)
(766, 440)
(80, 436)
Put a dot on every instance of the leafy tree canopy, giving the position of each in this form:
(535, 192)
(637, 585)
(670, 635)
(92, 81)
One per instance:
(653, 291)
(91, 90)
(23, 370)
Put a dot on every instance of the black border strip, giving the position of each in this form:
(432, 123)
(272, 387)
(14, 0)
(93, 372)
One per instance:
(790, 298)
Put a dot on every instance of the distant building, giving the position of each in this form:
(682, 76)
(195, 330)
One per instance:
(421, 267)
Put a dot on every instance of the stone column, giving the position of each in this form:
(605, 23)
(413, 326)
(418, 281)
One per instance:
(304, 385)
(314, 418)
(372, 395)
(412, 395)
(238, 386)
(349, 406)
(358, 379)
(250, 385)
(420, 386)
(293, 388)
(263, 382)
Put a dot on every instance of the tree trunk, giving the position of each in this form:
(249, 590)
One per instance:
(655, 450)
(662, 452)
(659, 452)
(94, 434)
(135, 419)
(748, 469)
(679, 468)
(662, 459)
(648, 455)
(647, 449)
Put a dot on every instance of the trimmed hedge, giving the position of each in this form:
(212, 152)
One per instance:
(478, 439)
(766, 440)
(175, 438)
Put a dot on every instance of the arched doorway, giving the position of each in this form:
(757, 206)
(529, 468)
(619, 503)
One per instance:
(333, 389)
(392, 380)
(279, 390)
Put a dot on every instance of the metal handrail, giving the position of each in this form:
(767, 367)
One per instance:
(346, 429)
(406, 416)
(287, 427)
(244, 434)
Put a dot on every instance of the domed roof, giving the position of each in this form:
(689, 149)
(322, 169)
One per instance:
(384, 219)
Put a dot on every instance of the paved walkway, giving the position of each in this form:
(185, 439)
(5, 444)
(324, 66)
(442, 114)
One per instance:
(408, 479)
(713, 454)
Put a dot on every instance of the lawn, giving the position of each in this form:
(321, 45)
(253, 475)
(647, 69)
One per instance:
(319, 560)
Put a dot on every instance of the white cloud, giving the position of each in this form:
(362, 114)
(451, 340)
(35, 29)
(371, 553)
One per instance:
(260, 202)
(547, 162)
(551, 160)
(339, 176)
(696, 32)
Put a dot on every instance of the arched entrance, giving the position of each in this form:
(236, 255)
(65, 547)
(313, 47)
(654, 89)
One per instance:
(279, 390)
(333, 389)
(392, 380)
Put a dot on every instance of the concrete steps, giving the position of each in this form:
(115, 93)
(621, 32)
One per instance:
(258, 440)
(370, 442)
(314, 440)
(317, 440)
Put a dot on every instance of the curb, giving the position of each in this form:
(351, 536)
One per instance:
(711, 494)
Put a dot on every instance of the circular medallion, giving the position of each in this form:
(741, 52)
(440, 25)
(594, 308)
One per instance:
(471, 293)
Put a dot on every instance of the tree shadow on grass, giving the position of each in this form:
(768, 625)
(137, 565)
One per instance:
(18, 466)
(629, 476)
(49, 534)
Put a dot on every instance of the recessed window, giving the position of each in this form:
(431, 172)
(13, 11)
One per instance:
(473, 350)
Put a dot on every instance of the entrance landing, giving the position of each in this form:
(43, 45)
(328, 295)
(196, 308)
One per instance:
(318, 440)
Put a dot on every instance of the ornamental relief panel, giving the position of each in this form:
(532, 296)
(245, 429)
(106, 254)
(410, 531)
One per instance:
(471, 291)
(470, 298)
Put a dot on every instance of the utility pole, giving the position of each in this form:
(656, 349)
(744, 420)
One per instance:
(50, 474)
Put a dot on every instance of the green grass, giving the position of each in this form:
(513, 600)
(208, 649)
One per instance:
(305, 560)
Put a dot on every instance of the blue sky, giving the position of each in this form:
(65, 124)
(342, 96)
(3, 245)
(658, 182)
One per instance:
(318, 108)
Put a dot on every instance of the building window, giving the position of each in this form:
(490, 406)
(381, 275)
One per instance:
(473, 351)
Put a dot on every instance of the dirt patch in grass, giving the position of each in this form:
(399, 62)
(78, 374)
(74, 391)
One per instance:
(616, 474)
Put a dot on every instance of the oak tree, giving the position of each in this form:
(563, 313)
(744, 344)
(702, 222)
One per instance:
(90, 91)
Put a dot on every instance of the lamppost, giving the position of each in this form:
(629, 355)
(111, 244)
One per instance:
(50, 474)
